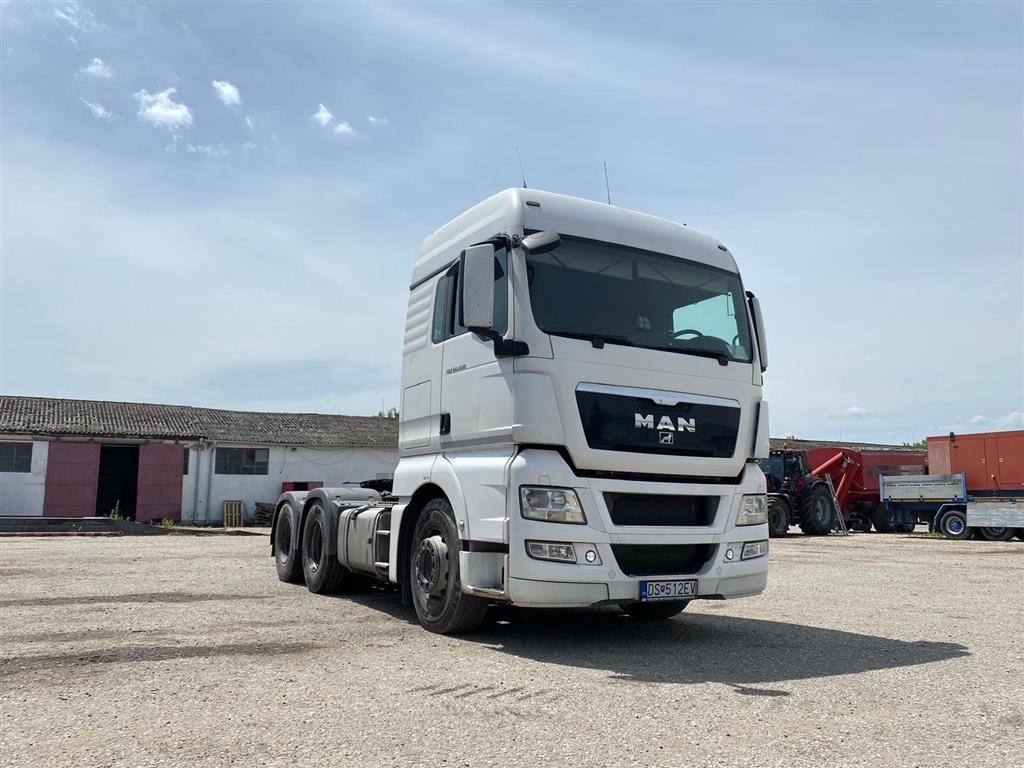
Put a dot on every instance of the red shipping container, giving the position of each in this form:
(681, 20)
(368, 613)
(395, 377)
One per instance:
(993, 462)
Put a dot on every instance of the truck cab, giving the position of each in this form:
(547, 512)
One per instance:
(581, 387)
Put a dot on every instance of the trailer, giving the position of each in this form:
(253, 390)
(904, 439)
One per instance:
(945, 505)
(581, 410)
(801, 484)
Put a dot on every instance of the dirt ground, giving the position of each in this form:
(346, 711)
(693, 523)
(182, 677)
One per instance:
(871, 650)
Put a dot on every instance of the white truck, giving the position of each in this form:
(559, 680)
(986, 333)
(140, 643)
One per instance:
(580, 416)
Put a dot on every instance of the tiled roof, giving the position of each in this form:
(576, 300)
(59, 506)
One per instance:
(100, 418)
(798, 444)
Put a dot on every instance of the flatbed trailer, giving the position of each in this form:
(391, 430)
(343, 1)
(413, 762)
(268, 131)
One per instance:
(944, 503)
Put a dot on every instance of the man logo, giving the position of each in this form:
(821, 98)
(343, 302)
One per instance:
(665, 424)
(666, 438)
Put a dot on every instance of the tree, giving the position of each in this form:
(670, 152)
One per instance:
(921, 444)
(390, 413)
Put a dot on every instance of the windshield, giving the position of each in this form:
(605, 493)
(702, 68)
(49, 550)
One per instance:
(593, 290)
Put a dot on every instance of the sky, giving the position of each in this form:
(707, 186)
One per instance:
(219, 205)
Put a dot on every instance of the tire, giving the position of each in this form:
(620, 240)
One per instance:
(953, 525)
(323, 572)
(654, 611)
(906, 527)
(1020, 534)
(287, 557)
(441, 605)
(778, 517)
(816, 512)
(882, 519)
(997, 534)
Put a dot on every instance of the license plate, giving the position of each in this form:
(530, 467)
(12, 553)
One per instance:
(668, 590)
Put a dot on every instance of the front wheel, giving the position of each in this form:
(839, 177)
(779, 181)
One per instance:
(953, 525)
(441, 605)
(883, 520)
(778, 517)
(654, 611)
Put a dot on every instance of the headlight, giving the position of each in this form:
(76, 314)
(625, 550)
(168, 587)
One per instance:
(753, 510)
(553, 505)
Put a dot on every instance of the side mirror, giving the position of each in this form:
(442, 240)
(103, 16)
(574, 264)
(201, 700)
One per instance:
(541, 242)
(477, 271)
(762, 342)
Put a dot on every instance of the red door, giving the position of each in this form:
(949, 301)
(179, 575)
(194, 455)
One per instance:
(1011, 461)
(160, 477)
(72, 472)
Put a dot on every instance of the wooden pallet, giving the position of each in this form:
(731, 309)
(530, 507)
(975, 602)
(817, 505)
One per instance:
(234, 514)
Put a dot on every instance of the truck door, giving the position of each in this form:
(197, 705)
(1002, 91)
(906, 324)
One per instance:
(476, 399)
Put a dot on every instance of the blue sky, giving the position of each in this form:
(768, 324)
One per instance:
(183, 223)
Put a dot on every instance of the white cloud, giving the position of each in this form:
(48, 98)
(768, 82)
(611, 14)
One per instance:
(161, 110)
(207, 150)
(323, 116)
(98, 68)
(345, 129)
(98, 110)
(227, 92)
(858, 412)
(1012, 420)
(377, 120)
(249, 125)
(74, 15)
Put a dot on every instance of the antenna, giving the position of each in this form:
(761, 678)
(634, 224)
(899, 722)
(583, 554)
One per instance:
(521, 171)
(607, 188)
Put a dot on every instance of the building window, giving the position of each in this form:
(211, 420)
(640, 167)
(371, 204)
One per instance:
(15, 457)
(242, 461)
(184, 463)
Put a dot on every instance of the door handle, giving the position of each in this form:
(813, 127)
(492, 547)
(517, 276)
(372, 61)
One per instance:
(446, 424)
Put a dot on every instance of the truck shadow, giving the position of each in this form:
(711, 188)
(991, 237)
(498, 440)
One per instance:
(746, 654)
(702, 648)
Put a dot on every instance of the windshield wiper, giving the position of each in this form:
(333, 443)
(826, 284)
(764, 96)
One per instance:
(721, 357)
(597, 339)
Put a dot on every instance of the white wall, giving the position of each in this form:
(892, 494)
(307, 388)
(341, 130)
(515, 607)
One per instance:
(21, 493)
(332, 467)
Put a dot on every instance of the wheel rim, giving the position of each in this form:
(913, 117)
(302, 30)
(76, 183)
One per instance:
(778, 519)
(432, 568)
(284, 536)
(996, 531)
(315, 546)
(954, 524)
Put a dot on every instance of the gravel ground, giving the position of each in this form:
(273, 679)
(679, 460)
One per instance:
(186, 651)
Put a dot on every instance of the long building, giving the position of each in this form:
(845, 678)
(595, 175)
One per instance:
(75, 458)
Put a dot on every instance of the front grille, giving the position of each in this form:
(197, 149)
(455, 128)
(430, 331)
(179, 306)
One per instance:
(660, 509)
(662, 559)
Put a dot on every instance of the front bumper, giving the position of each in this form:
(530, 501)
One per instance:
(531, 582)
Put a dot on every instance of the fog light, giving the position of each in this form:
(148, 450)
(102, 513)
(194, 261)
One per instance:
(551, 550)
(754, 549)
(590, 556)
(729, 554)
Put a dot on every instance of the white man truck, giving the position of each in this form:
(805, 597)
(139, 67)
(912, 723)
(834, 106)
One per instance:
(580, 416)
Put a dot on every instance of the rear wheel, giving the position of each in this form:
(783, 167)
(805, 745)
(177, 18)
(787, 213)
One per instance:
(953, 525)
(441, 606)
(882, 519)
(997, 534)
(654, 611)
(816, 512)
(289, 564)
(906, 527)
(322, 571)
(778, 517)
